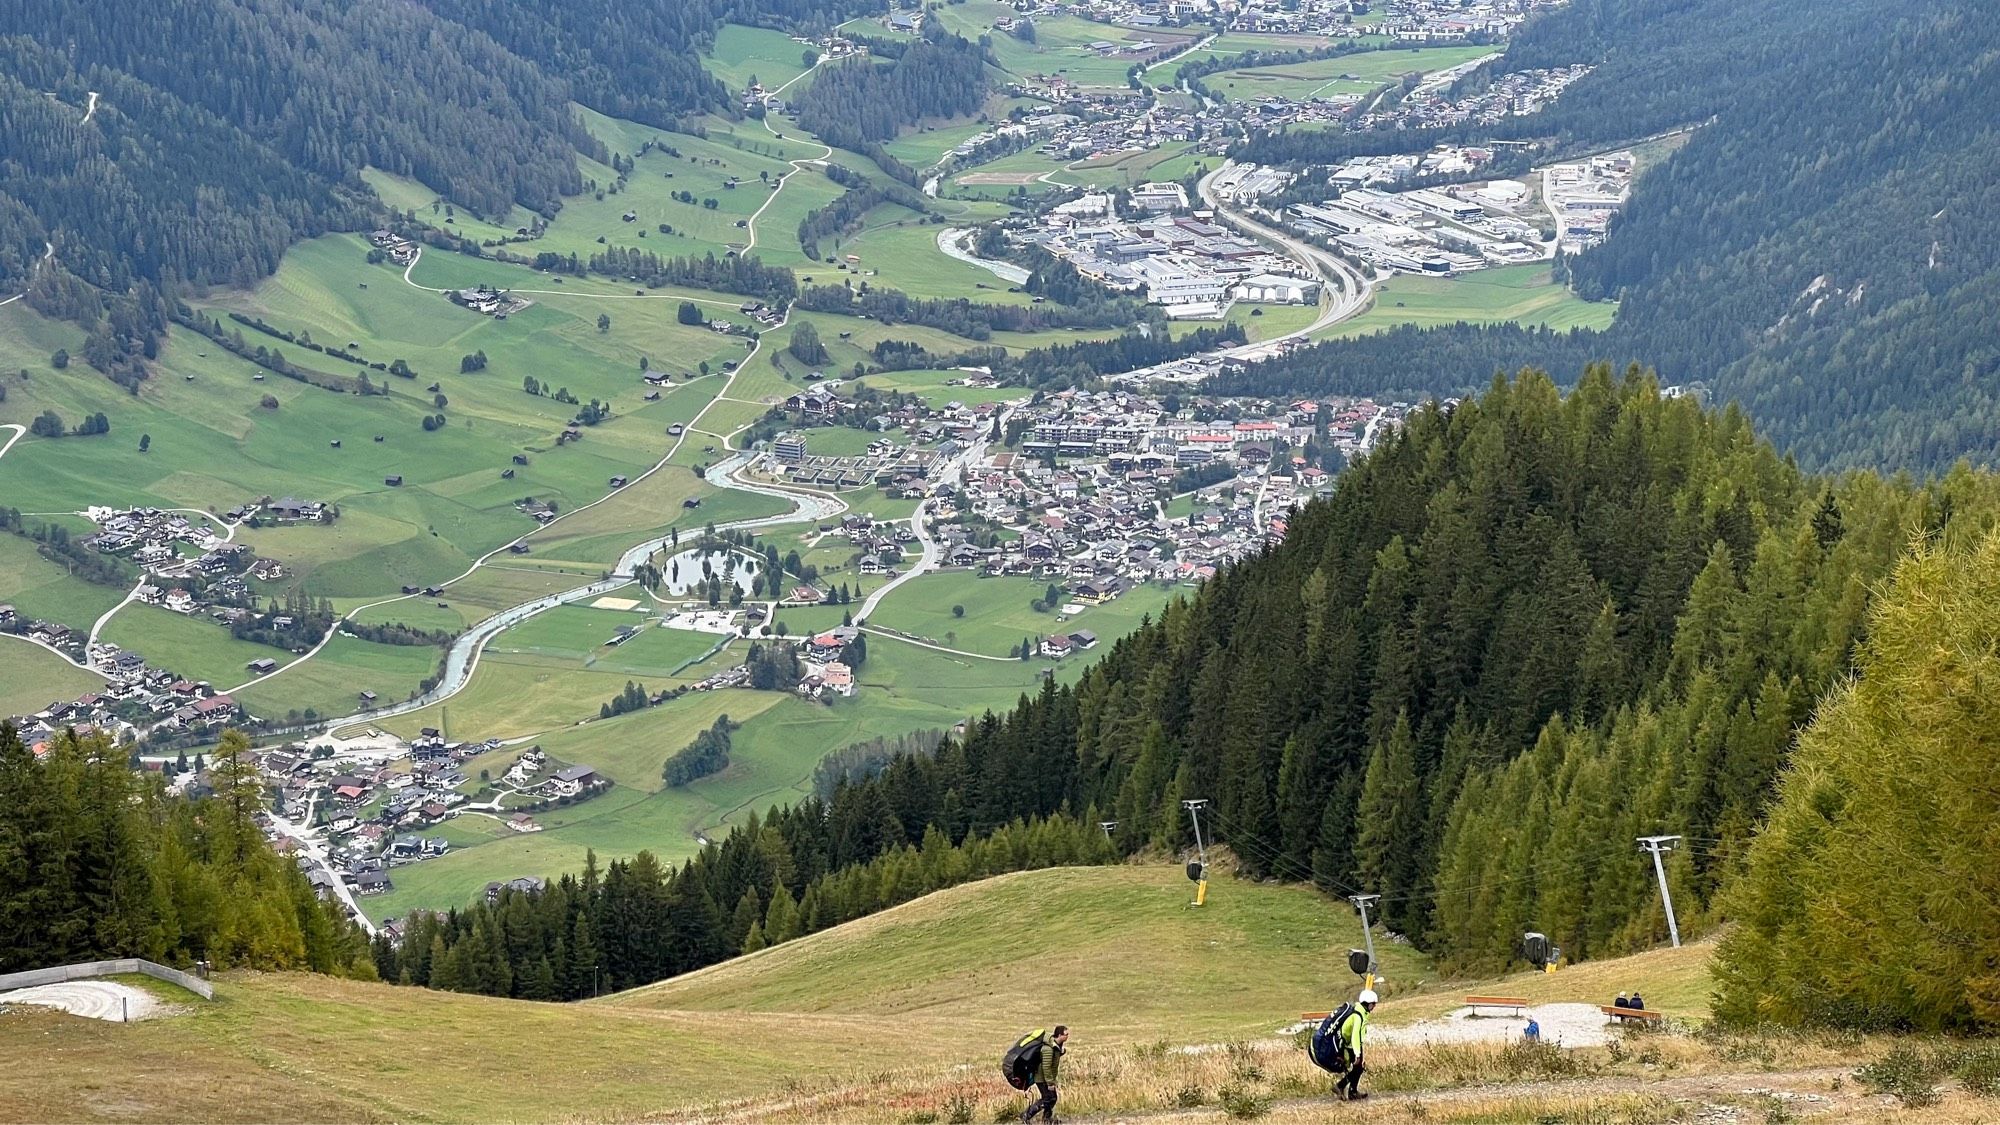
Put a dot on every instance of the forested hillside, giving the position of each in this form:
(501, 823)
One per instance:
(1823, 260)
(224, 132)
(1521, 633)
(861, 103)
(96, 862)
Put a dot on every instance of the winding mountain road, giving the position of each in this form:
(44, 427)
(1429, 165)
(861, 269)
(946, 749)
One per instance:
(797, 165)
(48, 251)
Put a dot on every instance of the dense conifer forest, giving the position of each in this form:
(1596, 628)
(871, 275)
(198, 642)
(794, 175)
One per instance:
(1823, 260)
(860, 104)
(222, 133)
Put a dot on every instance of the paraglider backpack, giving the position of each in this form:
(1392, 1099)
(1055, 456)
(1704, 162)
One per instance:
(1326, 1047)
(1023, 1059)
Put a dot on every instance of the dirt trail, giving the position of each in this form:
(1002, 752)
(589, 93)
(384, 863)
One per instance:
(92, 999)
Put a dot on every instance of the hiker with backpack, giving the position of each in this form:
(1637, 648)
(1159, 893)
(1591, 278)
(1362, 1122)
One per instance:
(1354, 1037)
(1045, 1077)
(1337, 1046)
(1034, 1060)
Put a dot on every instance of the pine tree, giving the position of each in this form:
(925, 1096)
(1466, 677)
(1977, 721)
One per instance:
(781, 918)
(749, 913)
(1391, 824)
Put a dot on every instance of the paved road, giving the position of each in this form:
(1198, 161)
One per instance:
(310, 845)
(932, 552)
(900, 638)
(92, 999)
(1180, 54)
(797, 165)
(462, 659)
(1346, 289)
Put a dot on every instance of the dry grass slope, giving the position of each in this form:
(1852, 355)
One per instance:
(1177, 1014)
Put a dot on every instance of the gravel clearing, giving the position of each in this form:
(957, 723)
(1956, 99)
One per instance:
(1567, 1025)
(92, 999)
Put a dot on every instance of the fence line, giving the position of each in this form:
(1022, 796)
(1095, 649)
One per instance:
(57, 974)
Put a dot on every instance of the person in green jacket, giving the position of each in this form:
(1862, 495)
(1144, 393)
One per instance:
(1354, 1036)
(1045, 1077)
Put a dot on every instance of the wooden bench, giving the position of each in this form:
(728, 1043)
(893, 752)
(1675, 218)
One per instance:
(1515, 1002)
(1640, 1014)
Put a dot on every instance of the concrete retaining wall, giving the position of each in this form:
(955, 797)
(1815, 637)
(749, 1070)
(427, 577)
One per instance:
(60, 973)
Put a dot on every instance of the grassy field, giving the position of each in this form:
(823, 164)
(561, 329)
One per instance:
(932, 385)
(742, 54)
(213, 446)
(32, 677)
(961, 951)
(196, 648)
(1518, 294)
(1347, 74)
(294, 1047)
(903, 254)
(1061, 47)
(997, 611)
(331, 682)
(637, 814)
(839, 441)
(542, 687)
(41, 589)
(299, 1047)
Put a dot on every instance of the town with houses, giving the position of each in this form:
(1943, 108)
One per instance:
(187, 567)
(1081, 490)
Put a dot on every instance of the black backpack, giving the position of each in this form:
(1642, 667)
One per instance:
(1326, 1048)
(1023, 1059)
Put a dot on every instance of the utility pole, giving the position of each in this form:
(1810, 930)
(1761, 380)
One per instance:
(1367, 933)
(1109, 826)
(1194, 808)
(1656, 845)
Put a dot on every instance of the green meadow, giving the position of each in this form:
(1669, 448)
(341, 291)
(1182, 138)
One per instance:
(998, 611)
(1061, 47)
(745, 54)
(1526, 295)
(31, 678)
(1347, 74)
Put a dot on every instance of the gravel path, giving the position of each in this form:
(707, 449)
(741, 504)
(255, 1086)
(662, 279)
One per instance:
(1570, 1025)
(92, 999)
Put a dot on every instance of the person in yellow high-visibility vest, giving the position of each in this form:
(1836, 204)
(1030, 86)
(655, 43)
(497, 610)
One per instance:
(1353, 1033)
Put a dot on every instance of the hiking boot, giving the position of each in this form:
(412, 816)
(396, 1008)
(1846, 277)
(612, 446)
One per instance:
(1357, 1096)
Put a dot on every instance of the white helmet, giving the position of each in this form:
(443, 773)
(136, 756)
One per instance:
(1368, 997)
